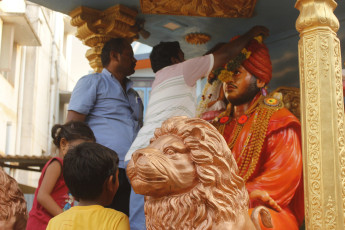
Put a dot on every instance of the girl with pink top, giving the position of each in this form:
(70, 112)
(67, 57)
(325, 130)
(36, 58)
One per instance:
(52, 195)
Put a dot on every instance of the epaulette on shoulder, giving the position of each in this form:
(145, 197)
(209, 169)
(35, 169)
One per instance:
(271, 103)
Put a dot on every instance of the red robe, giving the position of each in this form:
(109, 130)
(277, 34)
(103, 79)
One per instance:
(279, 169)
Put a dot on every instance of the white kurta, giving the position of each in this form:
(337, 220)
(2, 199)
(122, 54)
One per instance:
(171, 98)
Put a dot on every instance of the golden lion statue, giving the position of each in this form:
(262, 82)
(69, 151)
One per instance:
(189, 178)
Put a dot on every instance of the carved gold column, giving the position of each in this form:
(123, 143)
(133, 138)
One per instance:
(322, 113)
(95, 27)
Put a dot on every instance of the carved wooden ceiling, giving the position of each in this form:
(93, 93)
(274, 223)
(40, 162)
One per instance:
(197, 38)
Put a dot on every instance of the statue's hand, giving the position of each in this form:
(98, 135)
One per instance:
(264, 198)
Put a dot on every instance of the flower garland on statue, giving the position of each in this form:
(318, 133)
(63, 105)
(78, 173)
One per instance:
(225, 74)
(204, 100)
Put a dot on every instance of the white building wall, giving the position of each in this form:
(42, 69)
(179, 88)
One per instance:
(7, 90)
(30, 89)
(78, 61)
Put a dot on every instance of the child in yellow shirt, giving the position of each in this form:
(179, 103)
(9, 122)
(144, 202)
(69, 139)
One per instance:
(91, 174)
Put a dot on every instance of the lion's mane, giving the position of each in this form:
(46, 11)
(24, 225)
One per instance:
(12, 202)
(220, 193)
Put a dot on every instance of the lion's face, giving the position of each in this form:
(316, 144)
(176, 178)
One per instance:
(163, 168)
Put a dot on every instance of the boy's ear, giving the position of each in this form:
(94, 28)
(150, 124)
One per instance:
(116, 179)
(109, 184)
(112, 184)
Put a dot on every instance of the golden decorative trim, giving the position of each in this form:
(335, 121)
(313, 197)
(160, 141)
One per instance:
(340, 117)
(96, 27)
(197, 38)
(311, 129)
(226, 9)
(304, 156)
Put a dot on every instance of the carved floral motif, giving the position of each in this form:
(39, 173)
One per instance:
(312, 126)
(205, 8)
(197, 38)
(324, 55)
(330, 215)
(340, 117)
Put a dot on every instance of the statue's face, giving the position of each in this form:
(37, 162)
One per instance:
(163, 168)
(241, 88)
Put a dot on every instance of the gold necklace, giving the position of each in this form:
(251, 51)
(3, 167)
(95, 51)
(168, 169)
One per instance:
(239, 125)
(251, 150)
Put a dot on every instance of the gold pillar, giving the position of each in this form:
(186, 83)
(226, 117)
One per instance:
(322, 114)
(96, 27)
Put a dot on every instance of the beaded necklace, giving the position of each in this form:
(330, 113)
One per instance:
(264, 107)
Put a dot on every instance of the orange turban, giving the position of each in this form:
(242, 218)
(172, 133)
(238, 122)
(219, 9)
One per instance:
(259, 63)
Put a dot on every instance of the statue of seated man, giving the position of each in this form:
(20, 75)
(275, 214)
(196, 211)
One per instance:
(264, 137)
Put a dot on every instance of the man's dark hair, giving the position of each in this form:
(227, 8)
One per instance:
(86, 167)
(162, 53)
(114, 44)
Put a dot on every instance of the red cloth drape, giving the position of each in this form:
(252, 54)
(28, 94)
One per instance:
(279, 170)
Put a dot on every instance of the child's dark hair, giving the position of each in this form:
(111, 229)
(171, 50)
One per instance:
(72, 130)
(86, 167)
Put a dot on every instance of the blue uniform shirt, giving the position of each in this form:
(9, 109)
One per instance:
(115, 116)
